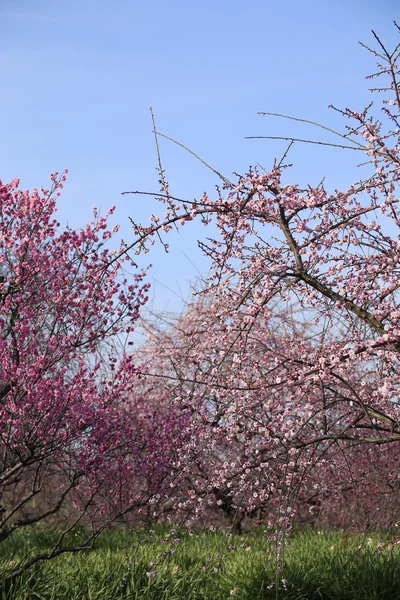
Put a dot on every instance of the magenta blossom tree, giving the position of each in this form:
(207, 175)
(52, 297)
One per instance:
(291, 357)
(79, 443)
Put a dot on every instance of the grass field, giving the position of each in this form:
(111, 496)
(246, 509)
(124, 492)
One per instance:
(174, 564)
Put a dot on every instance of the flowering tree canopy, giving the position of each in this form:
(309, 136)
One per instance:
(75, 430)
(290, 358)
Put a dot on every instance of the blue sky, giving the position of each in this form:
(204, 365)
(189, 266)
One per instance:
(78, 79)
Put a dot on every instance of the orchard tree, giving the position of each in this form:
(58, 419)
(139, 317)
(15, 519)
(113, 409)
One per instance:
(79, 443)
(235, 454)
(238, 462)
(290, 358)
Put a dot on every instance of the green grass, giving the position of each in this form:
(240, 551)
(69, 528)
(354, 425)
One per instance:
(210, 565)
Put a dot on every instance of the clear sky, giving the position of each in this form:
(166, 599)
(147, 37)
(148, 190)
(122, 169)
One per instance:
(78, 78)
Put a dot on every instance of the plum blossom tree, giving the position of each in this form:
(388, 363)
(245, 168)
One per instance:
(289, 356)
(232, 459)
(75, 430)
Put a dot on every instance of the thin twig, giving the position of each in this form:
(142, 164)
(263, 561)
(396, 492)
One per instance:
(157, 194)
(310, 123)
(371, 50)
(285, 153)
(224, 179)
(278, 137)
(160, 169)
